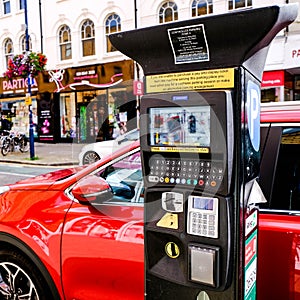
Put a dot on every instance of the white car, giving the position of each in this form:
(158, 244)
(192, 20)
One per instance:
(93, 152)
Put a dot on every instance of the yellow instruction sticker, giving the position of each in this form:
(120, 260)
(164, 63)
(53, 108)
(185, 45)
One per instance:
(169, 220)
(180, 149)
(194, 80)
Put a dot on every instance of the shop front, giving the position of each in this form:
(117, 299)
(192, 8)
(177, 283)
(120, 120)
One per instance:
(292, 64)
(272, 86)
(281, 80)
(13, 105)
(86, 104)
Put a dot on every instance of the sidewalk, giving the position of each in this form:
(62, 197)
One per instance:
(47, 154)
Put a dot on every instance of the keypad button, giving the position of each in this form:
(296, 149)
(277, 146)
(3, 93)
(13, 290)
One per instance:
(203, 173)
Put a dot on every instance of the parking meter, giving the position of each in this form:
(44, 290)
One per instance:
(199, 126)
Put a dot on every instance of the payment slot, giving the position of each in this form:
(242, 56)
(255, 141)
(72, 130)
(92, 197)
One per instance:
(199, 134)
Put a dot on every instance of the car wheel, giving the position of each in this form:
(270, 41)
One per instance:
(19, 279)
(90, 157)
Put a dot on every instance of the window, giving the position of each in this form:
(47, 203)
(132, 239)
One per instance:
(235, 4)
(168, 12)
(8, 50)
(6, 7)
(201, 7)
(23, 44)
(21, 4)
(280, 170)
(88, 38)
(125, 179)
(112, 25)
(65, 42)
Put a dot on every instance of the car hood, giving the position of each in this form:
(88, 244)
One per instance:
(43, 181)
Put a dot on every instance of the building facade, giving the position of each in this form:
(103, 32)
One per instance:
(88, 92)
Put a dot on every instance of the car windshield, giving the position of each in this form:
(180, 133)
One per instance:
(132, 135)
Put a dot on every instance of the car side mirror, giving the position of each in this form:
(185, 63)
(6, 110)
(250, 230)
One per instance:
(92, 188)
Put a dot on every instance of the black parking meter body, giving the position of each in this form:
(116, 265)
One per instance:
(200, 150)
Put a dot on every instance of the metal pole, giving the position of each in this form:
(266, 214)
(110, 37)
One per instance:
(41, 25)
(31, 136)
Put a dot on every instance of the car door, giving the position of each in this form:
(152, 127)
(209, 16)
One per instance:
(278, 272)
(102, 243)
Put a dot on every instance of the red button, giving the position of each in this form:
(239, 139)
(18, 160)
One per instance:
(201, 182)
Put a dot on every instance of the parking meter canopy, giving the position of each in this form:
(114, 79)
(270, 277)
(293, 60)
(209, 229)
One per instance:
(218, 41)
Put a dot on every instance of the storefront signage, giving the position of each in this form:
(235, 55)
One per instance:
(292, 52)
(87, 74)
(58, 76)
(18, 85)
(295, 53)
(138, 88)
(189, 44)
(273, 78)
(45, 118)
(208, 79)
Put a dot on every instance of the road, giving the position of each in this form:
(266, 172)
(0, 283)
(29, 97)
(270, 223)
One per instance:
(11, 173)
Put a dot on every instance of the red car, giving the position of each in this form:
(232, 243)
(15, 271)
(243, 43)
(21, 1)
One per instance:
(75, 234)
(78, 233)
(278, 270)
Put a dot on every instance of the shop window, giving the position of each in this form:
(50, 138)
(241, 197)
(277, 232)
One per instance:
(20, 116)
(201, 7)
(21, 4)
(112, 25)
(168, 12)
(23, 44)
(235, 4)
(88, 38)
(8, 50)
(93, 116)
(65, 42)
(67, 108)
(288, 95)
(270, 95)
(6, 7)
(296, 90)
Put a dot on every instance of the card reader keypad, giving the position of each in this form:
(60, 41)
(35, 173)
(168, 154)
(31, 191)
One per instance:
(201, 173)
(203, 224)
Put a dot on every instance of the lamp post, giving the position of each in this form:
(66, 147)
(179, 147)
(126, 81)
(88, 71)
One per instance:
(31, 135)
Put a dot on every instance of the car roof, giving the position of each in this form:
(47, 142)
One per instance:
(280, 112)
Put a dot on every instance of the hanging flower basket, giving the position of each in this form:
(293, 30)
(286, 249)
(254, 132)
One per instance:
(25, 65)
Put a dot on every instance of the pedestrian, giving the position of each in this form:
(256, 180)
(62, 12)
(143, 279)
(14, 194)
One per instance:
(5, 123)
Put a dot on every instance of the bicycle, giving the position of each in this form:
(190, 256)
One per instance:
(3, 135)
(14, 141)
